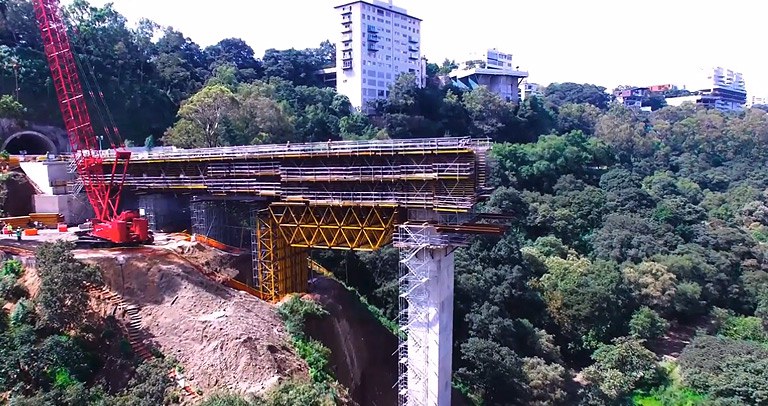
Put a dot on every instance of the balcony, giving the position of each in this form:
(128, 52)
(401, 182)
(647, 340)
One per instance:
(346, 19)
(347, 29)
(346, 13)
(413, 48)
(372, 47)
(346, 65)
(413, 40)
(373, 29)
(346, 38)
(346, 56)
(413, 57)
(373, 37)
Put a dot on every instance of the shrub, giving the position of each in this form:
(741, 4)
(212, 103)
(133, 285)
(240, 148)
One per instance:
(295, 311)
(23, 313)
(623, 366)
(743, 328)
(647, 324)
(12, 267)
(317, 356)
(7, 284)
(62, 296)
(228, 399)
(295, 392)
(545, 382)
(730, 369)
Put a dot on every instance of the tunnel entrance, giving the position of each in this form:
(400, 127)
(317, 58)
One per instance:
(34, 143)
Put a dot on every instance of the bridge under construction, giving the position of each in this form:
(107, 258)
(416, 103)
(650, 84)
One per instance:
(419, 194)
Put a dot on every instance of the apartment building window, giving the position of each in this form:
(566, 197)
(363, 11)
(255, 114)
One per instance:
(389, 75)
(387, 14)
(381, 83)
(381, 93)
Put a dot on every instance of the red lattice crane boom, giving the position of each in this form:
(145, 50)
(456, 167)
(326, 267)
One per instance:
(103, 190)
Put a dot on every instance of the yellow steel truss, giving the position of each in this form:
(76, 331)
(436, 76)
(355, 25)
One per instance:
(356, 227)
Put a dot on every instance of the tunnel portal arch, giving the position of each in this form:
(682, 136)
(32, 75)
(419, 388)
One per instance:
(33, 142)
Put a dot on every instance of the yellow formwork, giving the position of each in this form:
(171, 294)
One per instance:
(281, 268)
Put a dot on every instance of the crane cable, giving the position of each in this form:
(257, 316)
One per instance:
(90, 82)
(100, 105)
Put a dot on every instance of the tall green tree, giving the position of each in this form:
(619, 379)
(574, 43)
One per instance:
(204, 119)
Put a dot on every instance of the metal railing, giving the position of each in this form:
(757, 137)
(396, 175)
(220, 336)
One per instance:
(311, 149)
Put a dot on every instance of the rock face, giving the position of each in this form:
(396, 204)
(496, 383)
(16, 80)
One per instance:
(223, 338)
(364, 356)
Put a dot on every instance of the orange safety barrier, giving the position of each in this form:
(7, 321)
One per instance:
(30, 232)
(218, 245)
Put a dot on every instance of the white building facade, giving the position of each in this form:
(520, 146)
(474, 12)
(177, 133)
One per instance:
(529, 89)
(719, 88)
(378, 42)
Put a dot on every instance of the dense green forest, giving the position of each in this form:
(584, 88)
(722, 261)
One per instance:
(634, 271)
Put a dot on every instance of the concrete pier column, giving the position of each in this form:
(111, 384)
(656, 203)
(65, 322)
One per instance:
(426, 301)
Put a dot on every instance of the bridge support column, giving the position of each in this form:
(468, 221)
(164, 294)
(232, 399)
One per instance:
(426, 316)
(278, 267)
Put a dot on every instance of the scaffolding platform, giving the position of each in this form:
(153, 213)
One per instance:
(444, 174)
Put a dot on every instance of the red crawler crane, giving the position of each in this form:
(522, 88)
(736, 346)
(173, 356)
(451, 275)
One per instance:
(103, 190)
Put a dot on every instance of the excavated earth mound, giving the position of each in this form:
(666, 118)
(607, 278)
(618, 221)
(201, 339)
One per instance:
(224, 339)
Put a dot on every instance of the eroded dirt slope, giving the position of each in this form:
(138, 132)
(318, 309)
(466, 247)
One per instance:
(223, 338)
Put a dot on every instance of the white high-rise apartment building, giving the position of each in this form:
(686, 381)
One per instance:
(720, 88)
(378, 42)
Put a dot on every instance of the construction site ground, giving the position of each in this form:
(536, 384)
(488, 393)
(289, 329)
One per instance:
(224, 339)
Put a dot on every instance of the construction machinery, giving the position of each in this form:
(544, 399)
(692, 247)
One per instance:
(102, 189)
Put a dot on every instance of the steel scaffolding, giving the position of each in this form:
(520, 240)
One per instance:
(225, 221)
(147, 209)
(420, 369)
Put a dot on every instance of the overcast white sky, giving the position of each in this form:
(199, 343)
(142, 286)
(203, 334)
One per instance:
(607, 42)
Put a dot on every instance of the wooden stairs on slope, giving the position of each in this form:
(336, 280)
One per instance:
(132, 329)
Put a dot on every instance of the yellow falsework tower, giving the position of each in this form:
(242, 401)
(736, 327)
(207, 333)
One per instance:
(286, 231)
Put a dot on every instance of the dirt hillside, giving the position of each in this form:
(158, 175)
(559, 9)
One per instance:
(223, 338)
